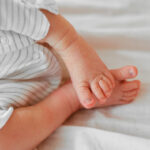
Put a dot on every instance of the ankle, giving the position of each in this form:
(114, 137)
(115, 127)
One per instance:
(70, 98)
(63, 46)
(61, 33)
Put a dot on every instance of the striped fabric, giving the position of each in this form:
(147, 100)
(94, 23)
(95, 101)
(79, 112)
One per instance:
(28, 71)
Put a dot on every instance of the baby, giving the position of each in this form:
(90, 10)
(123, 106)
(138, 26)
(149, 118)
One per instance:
(91, 78)
(30, 72)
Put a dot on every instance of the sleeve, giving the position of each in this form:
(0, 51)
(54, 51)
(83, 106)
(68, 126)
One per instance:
(5, 115)
(24, 17)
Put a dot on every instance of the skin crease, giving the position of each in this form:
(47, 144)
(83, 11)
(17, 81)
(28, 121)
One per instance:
(91, 79)
(28, 126)
(89, 74)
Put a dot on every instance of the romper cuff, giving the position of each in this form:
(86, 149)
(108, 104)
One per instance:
(51, 6)
(24, 17)
(5, 114)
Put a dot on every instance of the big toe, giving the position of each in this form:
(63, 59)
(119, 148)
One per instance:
(124, 73)
(85, 97)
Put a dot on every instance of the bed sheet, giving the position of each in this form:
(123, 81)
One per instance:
(119, 30)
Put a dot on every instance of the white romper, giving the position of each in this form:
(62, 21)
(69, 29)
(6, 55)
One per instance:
(28, 71)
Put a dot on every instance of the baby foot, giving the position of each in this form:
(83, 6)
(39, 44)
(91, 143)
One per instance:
(95, 94)
(125, 91)
(91, 78)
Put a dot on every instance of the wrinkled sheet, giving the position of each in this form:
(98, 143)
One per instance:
(120, 32)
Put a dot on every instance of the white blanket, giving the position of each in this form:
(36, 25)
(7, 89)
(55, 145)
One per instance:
(120, 31)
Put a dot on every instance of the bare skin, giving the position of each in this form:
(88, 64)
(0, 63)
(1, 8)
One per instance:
(20, 131)
(124, 92)
(90, 76)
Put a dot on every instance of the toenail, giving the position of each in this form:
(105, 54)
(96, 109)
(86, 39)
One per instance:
(131, 72)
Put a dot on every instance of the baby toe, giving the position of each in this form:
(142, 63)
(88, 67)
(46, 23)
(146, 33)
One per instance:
(111, 78)
(130, 85)
(108, 82)
(130, 93)
(97, 91)
(125, 101)
(85, 96)
(105, 88)
(128, 98)
(124, 73)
